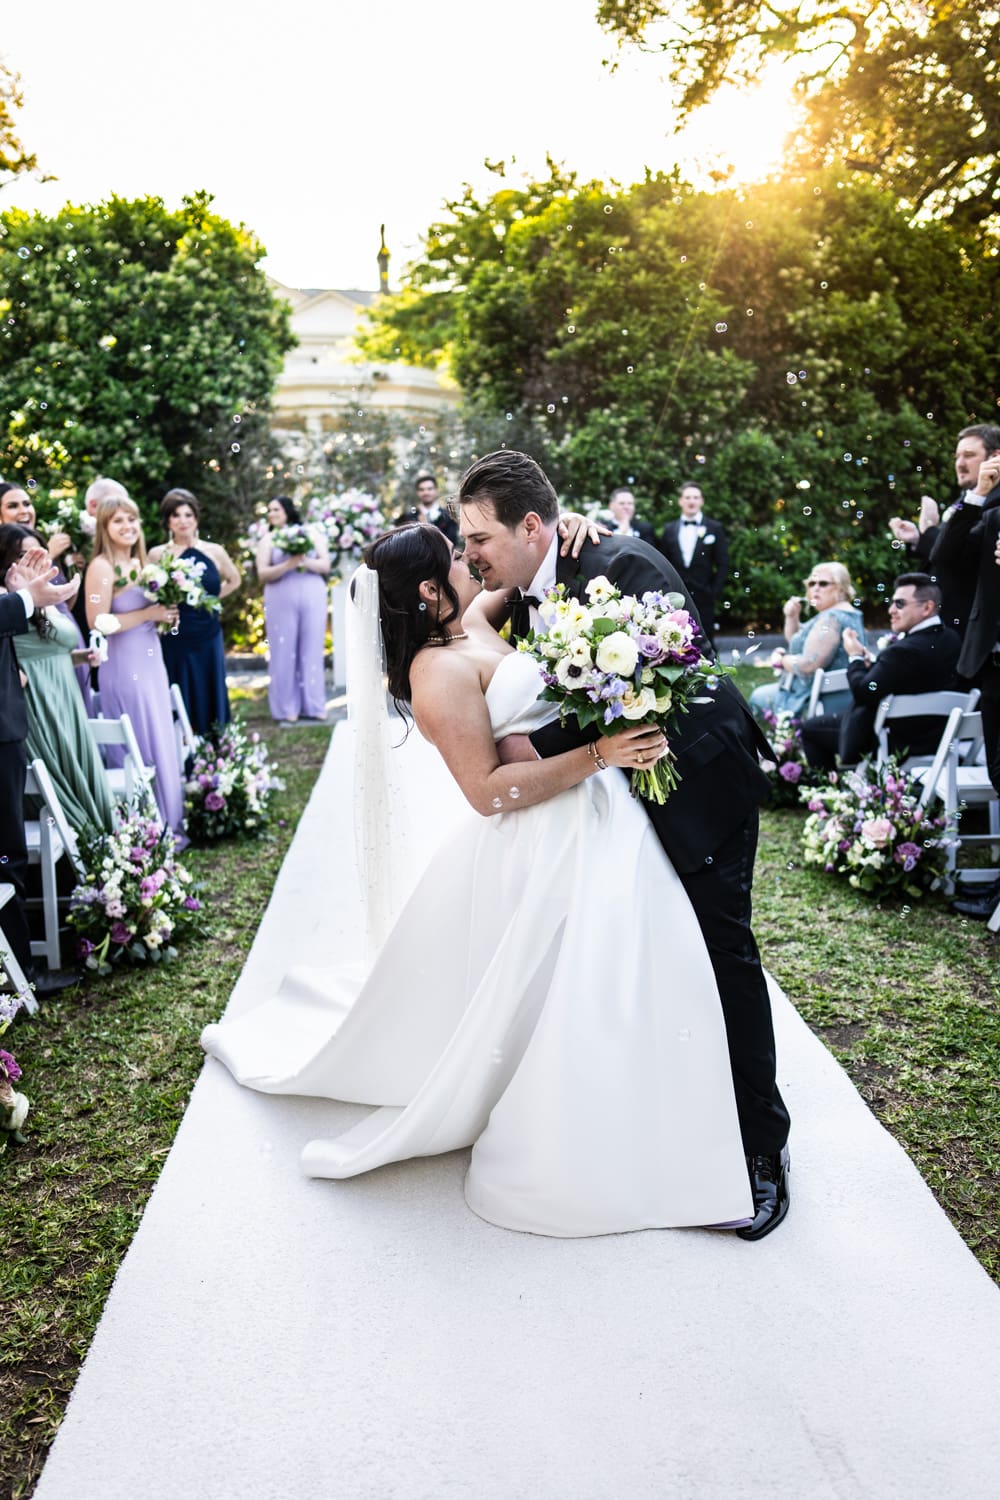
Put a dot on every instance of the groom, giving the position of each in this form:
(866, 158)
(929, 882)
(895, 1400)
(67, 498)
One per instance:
(708, 827)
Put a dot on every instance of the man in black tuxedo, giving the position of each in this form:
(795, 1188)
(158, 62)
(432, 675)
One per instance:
(429, 508)
(699, 550)
(708, 827)
(954, 565)
(624, 520)
(29, 587)
(921, 659)
(972, 537)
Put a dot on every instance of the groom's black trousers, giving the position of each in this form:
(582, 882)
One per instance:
(720, 892)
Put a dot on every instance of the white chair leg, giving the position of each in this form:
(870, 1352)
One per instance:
(50, 900)
(993, 925)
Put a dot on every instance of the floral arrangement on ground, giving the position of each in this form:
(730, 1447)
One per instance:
(137, 900)
(791, 771)
(230, 785)
(13, 1105)
(868, 825)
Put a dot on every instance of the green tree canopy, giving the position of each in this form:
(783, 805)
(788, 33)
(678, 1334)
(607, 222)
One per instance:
(908, 92)
(802, 349)
(14, 159)
(137, 341)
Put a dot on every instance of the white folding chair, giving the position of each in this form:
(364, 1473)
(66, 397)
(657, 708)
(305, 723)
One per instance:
(132, 781)
(9, 964)
(823, 684)
(958, 779)
(898, 707)
(182, 727)
(48, 838)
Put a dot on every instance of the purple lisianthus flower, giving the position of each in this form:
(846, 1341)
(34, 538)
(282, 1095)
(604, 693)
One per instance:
(191, 903)
(650, 648)
(214, 802)
(9, 1066)
(814, 805)
(844, 845)
(790, 771)
(550, 679)
(120, 934)
(84, 947)
(137, 855)
(907, 855)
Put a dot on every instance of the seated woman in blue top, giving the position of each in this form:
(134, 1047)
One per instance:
(195, 657)
(818, 643)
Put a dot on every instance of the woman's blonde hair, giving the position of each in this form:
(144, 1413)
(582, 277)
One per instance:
(106, 511)
(840, 576)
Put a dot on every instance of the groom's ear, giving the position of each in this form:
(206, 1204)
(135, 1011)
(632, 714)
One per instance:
(532, 524)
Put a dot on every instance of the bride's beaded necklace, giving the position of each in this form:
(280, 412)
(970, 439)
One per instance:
(444, 640)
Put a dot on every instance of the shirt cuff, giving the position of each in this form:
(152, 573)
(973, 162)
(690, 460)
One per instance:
(28, 602)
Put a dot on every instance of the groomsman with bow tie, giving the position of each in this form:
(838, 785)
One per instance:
(699, 549)
(624, 519)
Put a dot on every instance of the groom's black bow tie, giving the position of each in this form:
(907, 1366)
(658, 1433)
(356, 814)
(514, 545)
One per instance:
(520, 615)
(690, 523)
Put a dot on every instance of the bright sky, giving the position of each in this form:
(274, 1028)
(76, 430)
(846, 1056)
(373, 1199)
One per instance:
(315, 122)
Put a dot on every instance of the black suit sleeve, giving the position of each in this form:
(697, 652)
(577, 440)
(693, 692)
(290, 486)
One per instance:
(13, 619)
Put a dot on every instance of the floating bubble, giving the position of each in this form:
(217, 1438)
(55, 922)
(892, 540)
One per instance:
(749, 224)
(514, 793)
(571, 328)
(791, 378)
(550, 408)
(510, 416)
(824, 285)
(845, 504)
(234, 447)
(906, 442)
(749, 312)
(895, 545)
(722, 327)
(497, 802)
(629, 369)
(848, 457)
(607, 208)
(683, 260)
(237, 418)
(792, 865)
(751, 634)
(802, 374)
(699, 458)
(807, 510)
(803, 484)
(24, 252)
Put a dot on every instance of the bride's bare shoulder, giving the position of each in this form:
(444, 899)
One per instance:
(444, 685)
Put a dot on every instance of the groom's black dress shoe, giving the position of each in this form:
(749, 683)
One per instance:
(769, 1181)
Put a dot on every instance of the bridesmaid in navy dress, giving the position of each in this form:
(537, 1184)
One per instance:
(195, 657)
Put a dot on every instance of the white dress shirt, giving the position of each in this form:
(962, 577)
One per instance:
(688, 538)
(543, 580)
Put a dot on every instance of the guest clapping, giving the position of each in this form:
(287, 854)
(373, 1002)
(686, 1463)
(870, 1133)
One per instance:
(57, 720)
(817, 643)
(295, 603)
(195, 656)
(134, 679)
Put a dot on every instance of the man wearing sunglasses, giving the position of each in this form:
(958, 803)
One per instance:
(920, 657)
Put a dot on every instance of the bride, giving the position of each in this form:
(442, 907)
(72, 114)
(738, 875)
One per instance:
(545, 995)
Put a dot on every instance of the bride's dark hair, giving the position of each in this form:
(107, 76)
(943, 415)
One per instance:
(404, 558)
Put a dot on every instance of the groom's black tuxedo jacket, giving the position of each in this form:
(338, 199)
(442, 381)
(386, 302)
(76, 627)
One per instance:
(716, 743)
(13, 713)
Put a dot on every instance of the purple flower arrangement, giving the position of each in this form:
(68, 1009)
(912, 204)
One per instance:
(230, 785)
(137, 900)
(619, 661)
(13, 1106)
(791, 771)
(349, 521)
(868, 826)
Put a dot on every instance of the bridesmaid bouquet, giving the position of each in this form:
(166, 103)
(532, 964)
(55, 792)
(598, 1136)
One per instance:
(294, 541)
(74, 521)
(136, 900)
(620, 661)
(176, 580)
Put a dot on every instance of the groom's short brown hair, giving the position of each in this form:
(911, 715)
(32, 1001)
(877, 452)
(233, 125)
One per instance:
(514, 483)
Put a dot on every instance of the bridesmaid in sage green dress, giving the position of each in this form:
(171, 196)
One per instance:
(57, 720)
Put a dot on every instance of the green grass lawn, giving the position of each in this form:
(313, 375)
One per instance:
(906, 998)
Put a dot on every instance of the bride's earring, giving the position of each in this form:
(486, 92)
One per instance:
(421, 606)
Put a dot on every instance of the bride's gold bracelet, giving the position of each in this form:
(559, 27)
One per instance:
(598, 760)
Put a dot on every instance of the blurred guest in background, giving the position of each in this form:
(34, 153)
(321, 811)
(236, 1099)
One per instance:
(817, 643)
(624, 520)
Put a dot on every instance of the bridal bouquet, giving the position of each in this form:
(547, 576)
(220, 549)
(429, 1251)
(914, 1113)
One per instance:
(868, 825)
(619, 661)
(349, 521)
(136, 900)
(229, 787)
(293, 541)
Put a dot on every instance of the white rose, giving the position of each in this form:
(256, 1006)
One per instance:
(664, 701)
(618, 653)
(638, 705)
(107, 624)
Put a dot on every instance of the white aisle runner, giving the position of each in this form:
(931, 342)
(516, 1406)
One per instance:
(272, 1336)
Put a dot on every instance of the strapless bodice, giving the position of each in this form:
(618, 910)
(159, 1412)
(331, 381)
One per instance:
(512, 697)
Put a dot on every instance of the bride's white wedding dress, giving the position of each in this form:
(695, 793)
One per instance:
(544, 997)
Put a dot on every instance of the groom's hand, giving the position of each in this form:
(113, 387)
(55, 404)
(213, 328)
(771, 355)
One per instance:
(516, 747)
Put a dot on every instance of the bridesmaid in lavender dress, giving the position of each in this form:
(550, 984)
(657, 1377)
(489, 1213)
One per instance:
(295, 602)
(133, 680)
